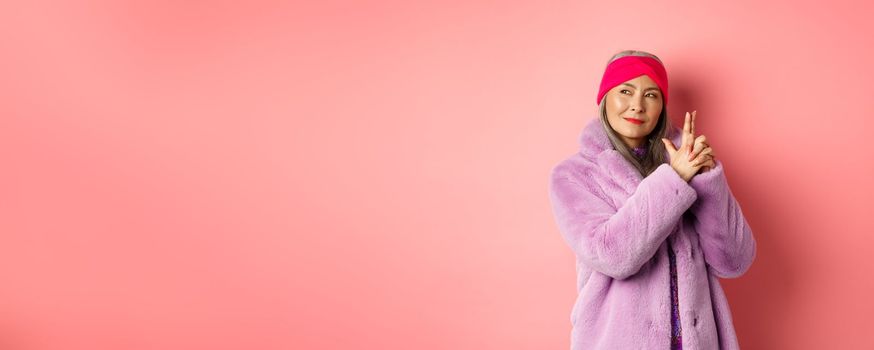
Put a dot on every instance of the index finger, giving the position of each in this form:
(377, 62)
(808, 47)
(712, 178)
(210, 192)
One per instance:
(692, 123)
(687, 124)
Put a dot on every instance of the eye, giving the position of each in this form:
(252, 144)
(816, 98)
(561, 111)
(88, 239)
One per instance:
(653, 94)
(623, 91)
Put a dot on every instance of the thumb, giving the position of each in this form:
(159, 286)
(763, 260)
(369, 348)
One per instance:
(669, 146)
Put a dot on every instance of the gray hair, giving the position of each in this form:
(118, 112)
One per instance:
(655, 154)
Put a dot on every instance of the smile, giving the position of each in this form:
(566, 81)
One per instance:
(634, 121)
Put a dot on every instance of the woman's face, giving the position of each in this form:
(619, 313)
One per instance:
(633, 109)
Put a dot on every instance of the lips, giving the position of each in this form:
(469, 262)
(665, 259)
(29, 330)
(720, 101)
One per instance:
(634, 121)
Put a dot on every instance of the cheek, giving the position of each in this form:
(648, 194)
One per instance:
(617, 102)
(615, 108)
(610, 105)
(655, 109)
(652, 125)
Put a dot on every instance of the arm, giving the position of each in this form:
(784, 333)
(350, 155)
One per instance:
(617, 242)
(726, 238)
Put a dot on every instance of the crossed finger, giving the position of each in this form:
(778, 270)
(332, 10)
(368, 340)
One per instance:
(699, 144)
(703, 157)
(709, 164)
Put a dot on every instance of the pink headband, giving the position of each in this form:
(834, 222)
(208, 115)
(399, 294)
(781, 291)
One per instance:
(629, 67)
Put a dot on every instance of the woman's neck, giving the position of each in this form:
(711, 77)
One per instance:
(639, 151)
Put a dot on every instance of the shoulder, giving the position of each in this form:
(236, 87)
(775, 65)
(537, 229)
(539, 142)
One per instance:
(579, 173)
(575, 167)
(578, 178)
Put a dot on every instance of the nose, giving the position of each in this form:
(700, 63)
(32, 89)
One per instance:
(636, 105)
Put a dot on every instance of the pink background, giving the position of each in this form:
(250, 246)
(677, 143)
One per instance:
(354, 175)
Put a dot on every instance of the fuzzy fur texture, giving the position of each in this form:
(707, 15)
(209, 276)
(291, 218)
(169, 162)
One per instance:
(616, 222)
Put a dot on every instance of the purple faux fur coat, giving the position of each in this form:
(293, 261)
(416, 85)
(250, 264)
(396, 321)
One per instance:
(616, 222)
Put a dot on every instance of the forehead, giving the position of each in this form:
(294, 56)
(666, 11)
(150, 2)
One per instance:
(643, 82)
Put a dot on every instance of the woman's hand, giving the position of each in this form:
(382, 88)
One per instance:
(700, 148)
(682, 160)
(704, 153)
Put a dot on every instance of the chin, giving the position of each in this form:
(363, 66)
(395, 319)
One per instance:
(634, 135)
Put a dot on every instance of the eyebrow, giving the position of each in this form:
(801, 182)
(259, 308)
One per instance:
(632, 85)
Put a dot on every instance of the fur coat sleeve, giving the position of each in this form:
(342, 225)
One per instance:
(618, 241)
(724, 235)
